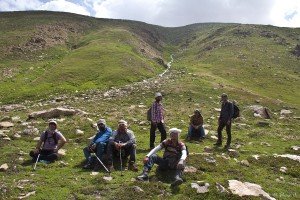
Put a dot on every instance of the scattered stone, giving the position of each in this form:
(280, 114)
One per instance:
(206, 132)
(63, 164)
(21, 159)
(62, 152)
(137, 189)
(285, 113)
(27, 195)
(200, 189)
(208, 149)
(263, 123)
(79, 132)
(283, 169)
(133, 179)
(233, 153)
(36, 139)
(94, 173)
(4, 167)
(221, 189)
(260, 111)
(30, 130)
(190, 169)
(296, 148)
(290, 156)
(210, 160)
(11, 107)
(256, 157)
(55, 113)
(265, 144)
(16, 136)
(6, 138)
(107, 178)
(6, 124)
(245, 163)
(143, 123)
(217, 109)
(16, 119)
(247, 189)
(214, 137)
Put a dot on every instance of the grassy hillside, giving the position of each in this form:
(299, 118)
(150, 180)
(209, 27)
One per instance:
(46, 57)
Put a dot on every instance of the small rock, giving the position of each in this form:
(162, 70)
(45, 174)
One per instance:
(200, 189)
(265, 144)
(221, 189)
(245, 163)
(79, 132)
(214, 137)
(63, 164)
(137, 189)
(208, 149)
(190, 169)
(16, 119)
(16, 135)
(285, 112)
(94, 173)
(283, 169)
(6, 124)
(62, 152)
(233, 153)
(27, 195)
(107, 178)
(217, 109)
(36, 139)
(210, 160)
(296, 148)
(6, 138)
(4, 167)
(256, 157)
(30, 130)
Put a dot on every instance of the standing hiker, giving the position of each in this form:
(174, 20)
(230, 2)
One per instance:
(225, 118)
(98, 144)
(196, 130)
(50, 142)
(157, 120)
(174, 157)
(121, 142)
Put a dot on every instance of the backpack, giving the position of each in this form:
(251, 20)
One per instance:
(54, 137)
(236, 111)
(149, 114)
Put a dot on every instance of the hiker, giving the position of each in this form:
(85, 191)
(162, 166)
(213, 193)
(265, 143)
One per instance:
(122, 140)
(157, 120)
(174, 157)
(224, 120)
(196, 130)
(98, 144)
(50, 142)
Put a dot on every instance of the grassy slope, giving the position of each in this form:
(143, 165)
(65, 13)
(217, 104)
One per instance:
(204, 76)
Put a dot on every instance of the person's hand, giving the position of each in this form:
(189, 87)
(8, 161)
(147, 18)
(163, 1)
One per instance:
(36, 151)
(180, 164)
(146, 159)
(117, 146)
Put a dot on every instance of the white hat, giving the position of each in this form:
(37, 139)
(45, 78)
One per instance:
(174, 130)
(158, 94)
(52, 122)
(101, 121)
(122, 122)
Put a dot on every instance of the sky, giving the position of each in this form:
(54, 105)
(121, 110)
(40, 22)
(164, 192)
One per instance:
(173, 13)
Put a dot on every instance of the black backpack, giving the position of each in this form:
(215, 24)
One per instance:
(236, 111)
(54, 137)
(149, 114)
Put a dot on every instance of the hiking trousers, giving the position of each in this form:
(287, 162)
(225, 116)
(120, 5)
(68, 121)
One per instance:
(228, 131)
(47, 155)
(127, 150)
(100, 149)
(161, 127)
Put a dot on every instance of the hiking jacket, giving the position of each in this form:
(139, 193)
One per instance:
(226, 111)
(128, 138)
(103, 136)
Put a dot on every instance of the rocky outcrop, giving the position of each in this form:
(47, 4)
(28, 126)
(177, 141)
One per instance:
(55, 113)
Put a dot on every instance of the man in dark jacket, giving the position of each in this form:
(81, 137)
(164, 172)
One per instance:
(98, 144)
(122, 140)
(225, 120)
(50, 142)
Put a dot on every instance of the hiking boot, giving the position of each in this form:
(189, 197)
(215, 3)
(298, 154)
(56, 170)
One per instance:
(111, 168)
(143, 177)
(178, 181)
(227, 146)
(97, 168)
(132, 166)
(218, 144)
(87, 166)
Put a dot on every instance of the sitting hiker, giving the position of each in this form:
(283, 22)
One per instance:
(174, 157)
(98, 144)
(196, 130)
(122, 140)
(50, 142)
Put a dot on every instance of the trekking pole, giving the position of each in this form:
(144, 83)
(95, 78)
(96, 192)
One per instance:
(101, 162)
(36, 161)
(121, 165)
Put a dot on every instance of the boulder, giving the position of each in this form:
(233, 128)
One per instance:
(247, 189)
(6, 124)
(4, 167)
(260, 111)
(55, 113)
(201, 189)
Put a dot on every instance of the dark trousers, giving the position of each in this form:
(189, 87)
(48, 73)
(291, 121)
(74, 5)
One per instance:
(162, 130)
(127, 150)
(48, 155)
(222, 124)
(163, 164)
(100, 149)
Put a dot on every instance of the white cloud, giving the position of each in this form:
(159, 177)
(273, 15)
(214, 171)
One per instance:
(65, 6)
(286, 13)
(16, 5)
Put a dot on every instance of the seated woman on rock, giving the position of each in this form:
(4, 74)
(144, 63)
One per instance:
(196, 130)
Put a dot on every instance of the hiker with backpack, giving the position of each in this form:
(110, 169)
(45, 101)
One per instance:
(50, 142)
(98, 145)
(122, 142)
(175, 154)
(225, 119)
(157, 120)
(196, 130)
